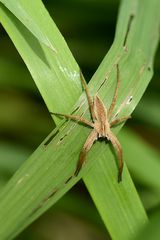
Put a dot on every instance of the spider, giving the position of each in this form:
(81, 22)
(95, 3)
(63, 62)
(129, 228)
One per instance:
(101, 124)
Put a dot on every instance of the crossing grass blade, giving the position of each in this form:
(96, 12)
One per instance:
(52, 70)
(45, 176)
(34, 21)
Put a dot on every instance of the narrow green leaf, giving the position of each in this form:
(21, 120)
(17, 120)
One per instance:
(38, 22)
(48, 69)
(41, 181)
(140, 48)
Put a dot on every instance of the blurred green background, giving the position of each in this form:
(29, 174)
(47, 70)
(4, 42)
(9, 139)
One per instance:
(88, 27)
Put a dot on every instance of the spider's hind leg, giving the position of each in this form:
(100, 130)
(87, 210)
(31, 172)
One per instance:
(87, 146)
(117, 146)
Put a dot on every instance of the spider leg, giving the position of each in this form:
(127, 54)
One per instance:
(89, 97)
(75, 118)
(119, 120)
(87, 146)
(110, 111)
(117, 146)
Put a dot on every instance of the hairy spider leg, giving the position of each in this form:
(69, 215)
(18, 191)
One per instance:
(119, 120)
(117, 146)
(90, 103)
(89, 97)
(87, 146)
(110, 111)
(75, 118)
(98, 113)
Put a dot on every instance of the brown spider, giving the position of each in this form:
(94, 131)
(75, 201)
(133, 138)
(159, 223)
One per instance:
(101, 124)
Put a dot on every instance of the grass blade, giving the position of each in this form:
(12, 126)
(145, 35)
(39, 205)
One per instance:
(34, 21)
(47, 69)
(137, 44)
(41, 181)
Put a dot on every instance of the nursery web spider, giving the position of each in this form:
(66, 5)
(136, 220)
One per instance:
(101, 124)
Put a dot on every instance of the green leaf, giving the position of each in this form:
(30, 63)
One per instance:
(140, 46)
(42, 180)
(38, 22)
(53, 71)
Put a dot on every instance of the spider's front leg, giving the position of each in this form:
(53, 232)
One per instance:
(115, 96)
(89, 97)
